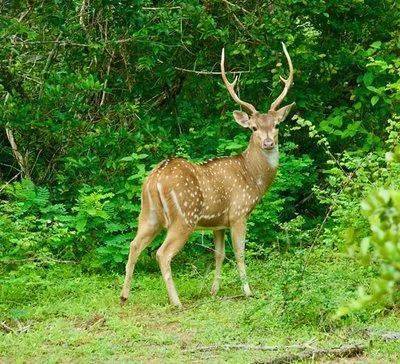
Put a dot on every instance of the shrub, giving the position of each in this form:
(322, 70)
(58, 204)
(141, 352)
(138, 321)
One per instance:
(32, 229)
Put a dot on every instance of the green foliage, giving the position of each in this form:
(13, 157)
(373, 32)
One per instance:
(92, 207)
(382, 245)
(350, 178)
(37, 231)
(31, 228)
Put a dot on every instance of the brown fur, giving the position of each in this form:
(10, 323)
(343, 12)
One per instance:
(219, 194)
(181, 197)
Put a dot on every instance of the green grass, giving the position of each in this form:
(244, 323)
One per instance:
(61, 314)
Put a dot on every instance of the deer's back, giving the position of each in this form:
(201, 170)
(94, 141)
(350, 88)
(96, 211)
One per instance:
(210, 195)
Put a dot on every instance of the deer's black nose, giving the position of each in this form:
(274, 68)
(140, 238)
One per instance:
(268, 144)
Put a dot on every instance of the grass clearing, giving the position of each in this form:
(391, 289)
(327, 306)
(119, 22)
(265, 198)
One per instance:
(62, 314)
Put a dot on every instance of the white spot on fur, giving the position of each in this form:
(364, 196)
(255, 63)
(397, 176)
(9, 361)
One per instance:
(153, 214)
(178, 207)
(164, 203)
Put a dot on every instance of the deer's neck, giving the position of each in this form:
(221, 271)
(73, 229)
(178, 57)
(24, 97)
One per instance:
(261, 165)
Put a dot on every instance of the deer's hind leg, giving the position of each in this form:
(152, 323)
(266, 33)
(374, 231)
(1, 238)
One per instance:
(177, 235)
(219, 253)
(148, 227)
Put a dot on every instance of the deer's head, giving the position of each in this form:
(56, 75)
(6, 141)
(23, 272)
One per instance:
(264, 126)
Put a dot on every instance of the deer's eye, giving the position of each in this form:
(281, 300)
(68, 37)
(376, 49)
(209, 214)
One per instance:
(254, 128)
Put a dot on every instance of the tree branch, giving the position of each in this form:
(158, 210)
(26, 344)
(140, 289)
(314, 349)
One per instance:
(236, 6)
(103, 96)
(251, 347)
(82, 14)
(160, 8)
(21, 160)
(51, 54)
(7, 329)
(345, 351)
(209, 72)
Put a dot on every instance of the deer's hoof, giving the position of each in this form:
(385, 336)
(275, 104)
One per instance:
(176, 305)
(214, 291)
(123, 300)
(247, 292)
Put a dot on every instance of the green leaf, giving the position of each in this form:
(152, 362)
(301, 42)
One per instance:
(368, 78)
(81, 224)
(374, 100)
(374, 89)
(376, 45)
(364, 246)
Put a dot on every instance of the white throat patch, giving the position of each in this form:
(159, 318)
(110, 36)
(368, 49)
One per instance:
(272, 157)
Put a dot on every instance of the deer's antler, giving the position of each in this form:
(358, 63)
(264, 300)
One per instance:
(231, 87)
(288, 81)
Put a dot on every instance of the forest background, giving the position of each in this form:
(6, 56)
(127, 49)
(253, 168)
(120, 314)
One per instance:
(93, 94)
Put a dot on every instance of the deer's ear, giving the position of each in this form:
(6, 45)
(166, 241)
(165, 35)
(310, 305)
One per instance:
(283, 112)
(241, 118)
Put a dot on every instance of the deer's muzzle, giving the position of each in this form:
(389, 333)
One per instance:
(268, 144)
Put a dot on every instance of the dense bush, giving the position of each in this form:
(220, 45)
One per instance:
(31, 228)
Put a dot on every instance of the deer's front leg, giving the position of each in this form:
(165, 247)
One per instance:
(219, 253)
(238, 232)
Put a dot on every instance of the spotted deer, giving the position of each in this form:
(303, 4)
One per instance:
(218, 194)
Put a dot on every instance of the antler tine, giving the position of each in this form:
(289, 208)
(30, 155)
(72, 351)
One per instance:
(231, 87)
(288, 81)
